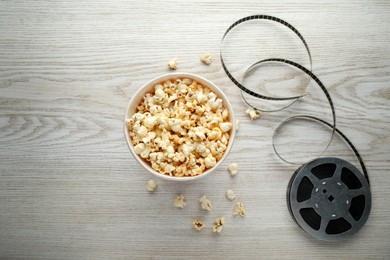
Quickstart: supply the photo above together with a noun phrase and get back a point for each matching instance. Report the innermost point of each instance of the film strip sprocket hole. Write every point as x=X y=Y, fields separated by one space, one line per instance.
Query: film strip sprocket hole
x=328 y=197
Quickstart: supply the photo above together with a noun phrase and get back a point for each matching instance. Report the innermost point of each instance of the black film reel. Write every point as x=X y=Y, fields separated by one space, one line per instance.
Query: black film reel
x=329 y=198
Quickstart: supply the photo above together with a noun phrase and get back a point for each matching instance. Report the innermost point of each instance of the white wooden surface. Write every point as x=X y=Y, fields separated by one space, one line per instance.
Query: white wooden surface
x=70 y=189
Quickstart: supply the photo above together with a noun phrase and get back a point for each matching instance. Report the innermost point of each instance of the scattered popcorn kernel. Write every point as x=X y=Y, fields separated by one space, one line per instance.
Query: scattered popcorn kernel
x=172 y=64
x=219 y=222
x=198 y=224
x=233 y=168
x=237 y=124
x=206 y=58
x=205 y=203
x=253 y=114
x=230 y=194
x=151 y=186
x=179 y=201
x=239 y=209
x=217 y=229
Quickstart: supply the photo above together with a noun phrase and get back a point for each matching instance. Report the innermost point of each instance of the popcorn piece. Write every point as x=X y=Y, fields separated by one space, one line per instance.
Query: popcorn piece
x=215 y=134
x=142 y=131
x=139 y=148
x=210 y=161
x=172 y=64
x=230 y=195
x=200 y=97
x=145 y=152
x=187 y=149
x=205 y=203
x=217 y=228
x=253 y=114
x=159 y=95
x=198 y=224
x=215 y=103
x=149 y=137
x=175 y=125
x=179 y=201
x=225 y=114
x=224 y=140
x=225 y=126
x=151 y=186
x=206 y=58
x=237 y=124
x=169 y=168
x=233 y=168
x=239 y=209
x=219 y=222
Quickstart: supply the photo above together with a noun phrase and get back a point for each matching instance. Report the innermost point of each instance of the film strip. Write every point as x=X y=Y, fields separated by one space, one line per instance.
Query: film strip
x=235 y=81
x=327 y=197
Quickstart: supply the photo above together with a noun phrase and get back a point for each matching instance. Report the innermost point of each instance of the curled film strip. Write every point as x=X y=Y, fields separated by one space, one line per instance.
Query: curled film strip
x=328 y=197
x=238 y=83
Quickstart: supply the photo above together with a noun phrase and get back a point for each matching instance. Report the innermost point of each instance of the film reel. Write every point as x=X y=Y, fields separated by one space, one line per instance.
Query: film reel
x=329 y=198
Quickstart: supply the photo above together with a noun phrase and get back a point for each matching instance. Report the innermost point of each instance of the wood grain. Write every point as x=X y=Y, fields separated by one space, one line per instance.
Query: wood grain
x=69 y=187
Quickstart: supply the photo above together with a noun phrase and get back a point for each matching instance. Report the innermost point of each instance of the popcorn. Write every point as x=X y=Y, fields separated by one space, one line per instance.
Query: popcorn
x=182 y=89
x=224 y=139
x=168 y=168
x=149 y=136
x=179 y=201
x=187 y=149
x=175 y=125
x=205 y=203
x=253 y=114
x=237 y=124
x=210 y=161
x=151 y=186
x=172 y=64
x=159 y=95
x=233 y=168
x=219 y=222
x=200 y=132
x=215 y=103
x=215 y=134
x=181 y=128
x=230 y=195
x=170 y=151
x=206 y=58
x=139 y=148
x=225 y=114
x=145 y=152
x=225 y=126
x=142 y=131
x=197 y=224
x=239 y=209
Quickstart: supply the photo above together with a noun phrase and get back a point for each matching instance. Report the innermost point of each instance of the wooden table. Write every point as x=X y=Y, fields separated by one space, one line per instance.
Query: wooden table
x=69 y=187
